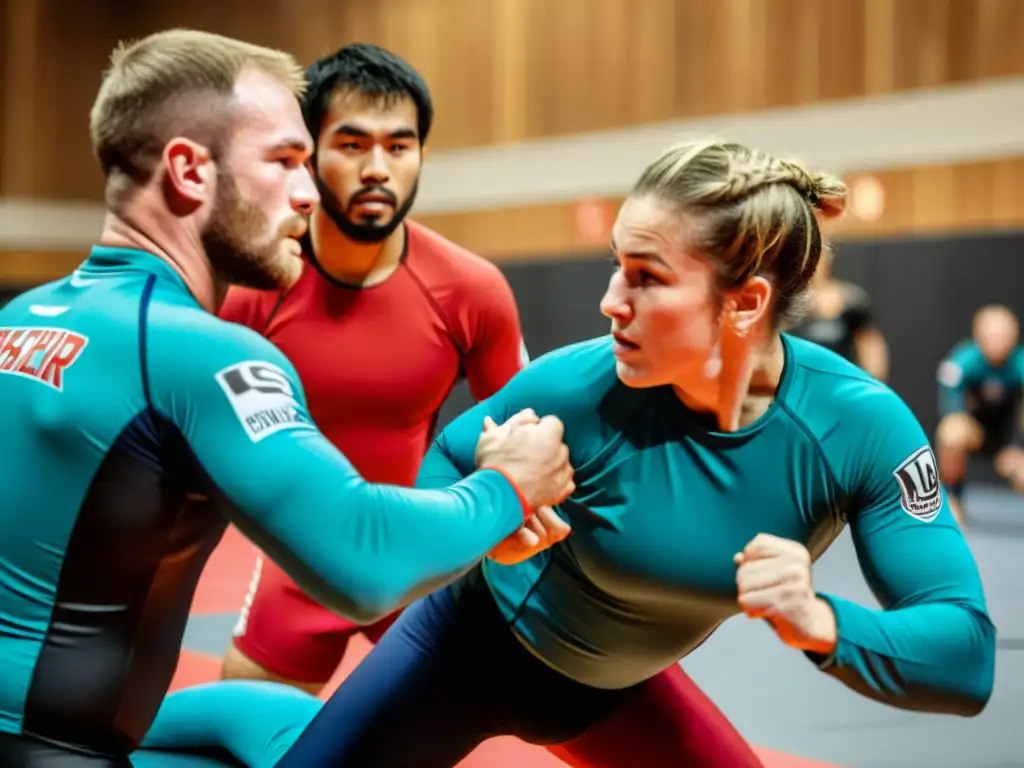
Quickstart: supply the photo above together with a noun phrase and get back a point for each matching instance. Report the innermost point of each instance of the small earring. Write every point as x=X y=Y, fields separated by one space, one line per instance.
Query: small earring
x=740 y=327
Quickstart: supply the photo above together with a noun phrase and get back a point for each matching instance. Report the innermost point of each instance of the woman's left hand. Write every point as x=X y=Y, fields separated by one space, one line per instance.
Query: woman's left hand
x=773 y=581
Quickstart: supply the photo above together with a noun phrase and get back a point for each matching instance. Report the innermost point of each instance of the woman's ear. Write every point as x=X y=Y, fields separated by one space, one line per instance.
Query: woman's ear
x=748 y=305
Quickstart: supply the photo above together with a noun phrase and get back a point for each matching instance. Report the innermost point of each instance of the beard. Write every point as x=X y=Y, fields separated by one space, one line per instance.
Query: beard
x=238 y=248
x=368 y=231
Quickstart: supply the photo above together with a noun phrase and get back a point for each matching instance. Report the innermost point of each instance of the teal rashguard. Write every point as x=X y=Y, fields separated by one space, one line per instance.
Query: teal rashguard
x=136 y=426
x=662 y=504
x=991 y=394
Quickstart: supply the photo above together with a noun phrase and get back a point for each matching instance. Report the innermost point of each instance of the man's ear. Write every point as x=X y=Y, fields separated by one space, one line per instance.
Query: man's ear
x=189 y=173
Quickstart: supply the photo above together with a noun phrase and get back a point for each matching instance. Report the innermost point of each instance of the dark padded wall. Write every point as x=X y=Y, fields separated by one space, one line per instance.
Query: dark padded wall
x=923 y=292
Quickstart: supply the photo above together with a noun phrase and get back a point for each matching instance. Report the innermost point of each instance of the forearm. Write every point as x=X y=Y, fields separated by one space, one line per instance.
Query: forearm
x=935 y=657
x=366 y=550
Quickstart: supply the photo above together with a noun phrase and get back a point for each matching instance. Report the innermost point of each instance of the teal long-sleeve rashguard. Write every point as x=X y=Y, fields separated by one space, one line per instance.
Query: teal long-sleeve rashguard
x=664 y=501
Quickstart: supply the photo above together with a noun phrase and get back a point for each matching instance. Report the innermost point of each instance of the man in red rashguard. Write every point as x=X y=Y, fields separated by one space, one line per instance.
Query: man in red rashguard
x=386 y=317
x=384 y=321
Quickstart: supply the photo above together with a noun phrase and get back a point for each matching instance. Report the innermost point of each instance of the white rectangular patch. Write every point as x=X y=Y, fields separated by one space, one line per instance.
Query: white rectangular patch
x=263 y=399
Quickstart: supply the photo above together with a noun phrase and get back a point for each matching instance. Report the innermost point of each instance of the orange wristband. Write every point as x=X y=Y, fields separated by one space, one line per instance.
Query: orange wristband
x=527 y=510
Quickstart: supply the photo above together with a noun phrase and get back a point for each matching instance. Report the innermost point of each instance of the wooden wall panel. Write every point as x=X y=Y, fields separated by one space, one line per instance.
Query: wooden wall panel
x=944 y=199
x=924 y=200
x=22 y=268
x=53 y=62
x=513 y=70
x=597 y=64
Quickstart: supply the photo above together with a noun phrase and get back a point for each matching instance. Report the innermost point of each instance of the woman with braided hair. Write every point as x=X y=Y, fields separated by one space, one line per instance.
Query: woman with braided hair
x=716 y=458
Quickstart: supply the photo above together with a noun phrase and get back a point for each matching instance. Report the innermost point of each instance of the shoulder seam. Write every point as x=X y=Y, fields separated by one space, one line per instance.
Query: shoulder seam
x=446 y=321
x=864 y=378
x=809 y=434
x=265 y=325
x=143 y=341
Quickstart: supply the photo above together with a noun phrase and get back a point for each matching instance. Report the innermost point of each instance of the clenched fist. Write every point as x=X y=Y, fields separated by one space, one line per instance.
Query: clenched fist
x=773 y=581
x=543 y=529
x=531 y=452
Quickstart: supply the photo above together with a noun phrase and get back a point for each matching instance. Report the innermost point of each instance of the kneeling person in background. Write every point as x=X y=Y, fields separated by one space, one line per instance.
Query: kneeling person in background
x=980 y=384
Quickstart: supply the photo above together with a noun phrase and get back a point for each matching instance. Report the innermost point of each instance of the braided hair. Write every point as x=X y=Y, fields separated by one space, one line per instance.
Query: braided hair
x=755 y=214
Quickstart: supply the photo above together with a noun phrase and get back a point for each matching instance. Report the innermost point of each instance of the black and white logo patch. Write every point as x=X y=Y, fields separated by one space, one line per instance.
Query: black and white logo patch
x=918 y=476
x=263 y=399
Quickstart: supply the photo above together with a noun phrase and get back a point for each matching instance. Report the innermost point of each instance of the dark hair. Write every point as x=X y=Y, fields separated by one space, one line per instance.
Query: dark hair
x=372 y=71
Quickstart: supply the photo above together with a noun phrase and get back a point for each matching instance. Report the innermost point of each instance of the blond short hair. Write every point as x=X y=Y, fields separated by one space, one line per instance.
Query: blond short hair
x=172 y=83
x=756 y=213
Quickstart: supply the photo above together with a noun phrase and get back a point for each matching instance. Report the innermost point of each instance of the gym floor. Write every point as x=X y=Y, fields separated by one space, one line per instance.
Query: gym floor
x=797 y=717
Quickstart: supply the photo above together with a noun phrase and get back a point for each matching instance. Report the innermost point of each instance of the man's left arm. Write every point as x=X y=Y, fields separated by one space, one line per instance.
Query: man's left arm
x=932 y=646
x=495 y=348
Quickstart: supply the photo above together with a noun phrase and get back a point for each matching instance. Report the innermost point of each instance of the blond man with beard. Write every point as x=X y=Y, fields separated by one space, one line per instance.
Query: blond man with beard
x=138 y=424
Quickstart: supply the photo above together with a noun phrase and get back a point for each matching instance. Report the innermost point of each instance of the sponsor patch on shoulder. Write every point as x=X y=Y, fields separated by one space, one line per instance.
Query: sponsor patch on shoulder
x=263 y=399
x=920 y=490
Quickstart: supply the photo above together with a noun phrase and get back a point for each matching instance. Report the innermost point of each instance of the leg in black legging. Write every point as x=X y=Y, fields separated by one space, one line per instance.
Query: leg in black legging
x=448 y=675
x=410 y=703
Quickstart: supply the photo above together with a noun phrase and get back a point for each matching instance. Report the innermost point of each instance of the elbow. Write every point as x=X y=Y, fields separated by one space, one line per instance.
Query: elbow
x=360 y=594
x=966 y=703
x=369 y=613
x=984 y=667
x=373 y=601
x=977 y=670
x=360 y=597
x=356 y=606
x=973 y=707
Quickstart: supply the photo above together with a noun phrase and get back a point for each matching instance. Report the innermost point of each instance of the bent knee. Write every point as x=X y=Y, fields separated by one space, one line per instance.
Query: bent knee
x=236 y=665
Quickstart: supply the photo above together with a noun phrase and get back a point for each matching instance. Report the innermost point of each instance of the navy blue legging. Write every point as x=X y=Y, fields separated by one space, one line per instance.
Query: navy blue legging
x=447 y=676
